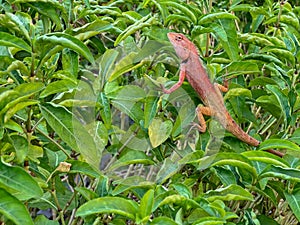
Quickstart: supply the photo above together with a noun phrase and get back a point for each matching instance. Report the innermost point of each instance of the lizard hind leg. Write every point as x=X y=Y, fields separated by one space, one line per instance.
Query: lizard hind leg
x=202 y=110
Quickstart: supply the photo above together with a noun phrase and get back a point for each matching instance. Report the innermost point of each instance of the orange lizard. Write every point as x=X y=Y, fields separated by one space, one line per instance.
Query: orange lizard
x=191 y=68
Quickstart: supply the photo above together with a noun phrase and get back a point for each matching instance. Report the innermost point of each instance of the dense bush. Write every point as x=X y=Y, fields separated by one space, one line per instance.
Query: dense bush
x=88 y=137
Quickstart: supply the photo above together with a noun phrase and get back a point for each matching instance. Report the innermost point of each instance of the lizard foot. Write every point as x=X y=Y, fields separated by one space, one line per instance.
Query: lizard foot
x=197 y=126
x=164 y=90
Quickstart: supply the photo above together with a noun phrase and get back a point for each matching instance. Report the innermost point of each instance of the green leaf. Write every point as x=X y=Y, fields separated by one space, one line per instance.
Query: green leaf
x=132 y=15
x=18 y=182
x=83 y=168
x=102 y=10
x=237 y=68
x=35 y=152
x=49 y=9
x=151 y=108
x=127 y=99
x=283 y=102
x=291 y=20
x=146 y=206
x=13 y=209
x=125 y=65
x=210 y=220
x=163 y=221
x=268 y=102
x=262 y=81
x=145 y=21
x=282 y=173
x=20 y=145
x=70 y=63
x=135 y=59
x=293 y=200
x=226 y=176
x=265 y=58
x=132 y=157
x=13 y=41
x=91 y=29
x=181 y=8
x=265 y=157
x=278 y=143
x=10 y=98
x=149 y=49
x=226 y=33
x=236 y=92
x=168 y=169
x=16 y=65
x=10 y=124
x=257 y=18
x=159 y=131
x=241 y=7
x=130 y=108
x=106 y=65
x=182 y=189
x=77 y=103
x=128 y=93
x=99 y=133
x=71 y=131
x=226 y=158
x=116 y=205
x=296 y=136
x=14 y=109
x=105 y=111
x=266 y=220
x=212 y=17
x=42 y=220
x=18 y=21
x=27 y=89
x=58 y=87
x=66 y=41
x=131 y=183
x=256 y=39
x=283 y=54
x=103 y=186
x=179 y=200
x=87 y=193
x=173 y=18
x=191 y=157
x=229 y=193
x=185 y=117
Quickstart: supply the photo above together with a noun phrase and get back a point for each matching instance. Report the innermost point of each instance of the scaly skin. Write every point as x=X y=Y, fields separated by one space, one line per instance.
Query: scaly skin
x=191 y=68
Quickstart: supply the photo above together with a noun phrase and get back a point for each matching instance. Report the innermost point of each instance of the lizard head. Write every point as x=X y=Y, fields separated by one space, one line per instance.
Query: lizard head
x=182 y=45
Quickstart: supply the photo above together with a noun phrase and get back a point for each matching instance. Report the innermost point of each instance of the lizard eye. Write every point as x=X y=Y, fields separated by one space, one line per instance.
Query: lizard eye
x=178 y=38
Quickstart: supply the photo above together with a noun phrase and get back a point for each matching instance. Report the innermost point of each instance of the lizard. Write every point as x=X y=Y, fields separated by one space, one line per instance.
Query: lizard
x=210 y=94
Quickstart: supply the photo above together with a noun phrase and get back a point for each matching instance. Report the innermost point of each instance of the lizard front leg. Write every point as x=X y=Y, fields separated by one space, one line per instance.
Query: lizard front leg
x=180 y=81
x=202 y=110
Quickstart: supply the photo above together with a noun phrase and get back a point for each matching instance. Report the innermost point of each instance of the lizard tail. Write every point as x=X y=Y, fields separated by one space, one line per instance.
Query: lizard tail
x=243 y=136
x=237 y=131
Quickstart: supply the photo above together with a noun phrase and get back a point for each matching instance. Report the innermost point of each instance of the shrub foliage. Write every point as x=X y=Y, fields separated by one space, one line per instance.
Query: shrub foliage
x=88 y=136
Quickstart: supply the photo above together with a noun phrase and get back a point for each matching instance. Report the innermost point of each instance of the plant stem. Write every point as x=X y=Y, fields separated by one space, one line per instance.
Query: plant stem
x=54 y=142
x=113 y=159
